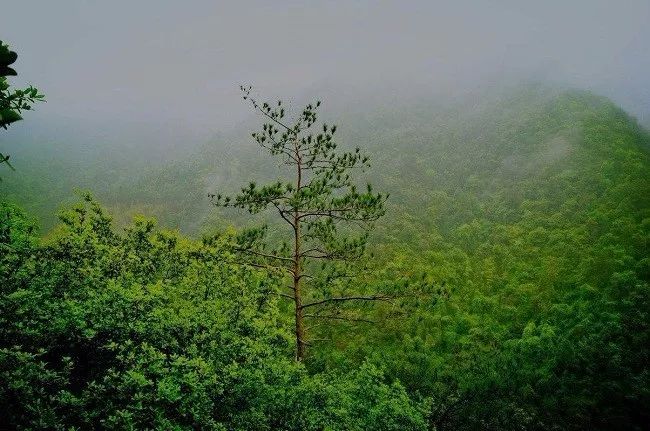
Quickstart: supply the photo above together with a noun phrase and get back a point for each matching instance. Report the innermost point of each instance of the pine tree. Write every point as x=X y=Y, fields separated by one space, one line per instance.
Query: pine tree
x=329 y=218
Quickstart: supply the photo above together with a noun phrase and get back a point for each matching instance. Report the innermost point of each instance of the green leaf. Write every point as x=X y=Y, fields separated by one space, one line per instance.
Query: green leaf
x=8 y=116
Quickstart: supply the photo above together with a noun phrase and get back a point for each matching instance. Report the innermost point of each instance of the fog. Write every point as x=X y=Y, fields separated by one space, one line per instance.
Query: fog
x=136 y=70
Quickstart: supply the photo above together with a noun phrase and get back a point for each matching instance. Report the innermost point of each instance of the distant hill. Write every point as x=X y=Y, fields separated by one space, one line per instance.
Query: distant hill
x=452 y=158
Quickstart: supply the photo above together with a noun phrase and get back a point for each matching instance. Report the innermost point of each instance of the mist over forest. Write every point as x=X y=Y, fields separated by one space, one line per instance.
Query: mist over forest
x=324 y=216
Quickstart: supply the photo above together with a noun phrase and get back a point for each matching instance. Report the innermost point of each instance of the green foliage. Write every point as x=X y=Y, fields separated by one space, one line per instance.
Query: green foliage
x=150 y=330
x=13 y=102
x=526 y=218
x=542 y=248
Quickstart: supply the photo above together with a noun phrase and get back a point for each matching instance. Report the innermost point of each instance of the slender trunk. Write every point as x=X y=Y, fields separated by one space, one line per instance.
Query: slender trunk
x=297 y=271
x=297 y=294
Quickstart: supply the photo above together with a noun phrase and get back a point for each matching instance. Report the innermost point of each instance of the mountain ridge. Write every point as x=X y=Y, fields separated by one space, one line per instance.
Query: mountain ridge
x=424 y=141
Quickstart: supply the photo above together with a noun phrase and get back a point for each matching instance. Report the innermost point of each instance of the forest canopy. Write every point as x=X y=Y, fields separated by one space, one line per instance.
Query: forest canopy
x=523 y=226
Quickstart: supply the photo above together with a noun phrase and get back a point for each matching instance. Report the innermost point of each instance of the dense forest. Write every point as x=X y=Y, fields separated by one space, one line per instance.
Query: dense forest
x=508 y=270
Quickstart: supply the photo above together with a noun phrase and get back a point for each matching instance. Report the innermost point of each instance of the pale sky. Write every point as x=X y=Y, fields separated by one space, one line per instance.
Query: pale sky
x=181 y=62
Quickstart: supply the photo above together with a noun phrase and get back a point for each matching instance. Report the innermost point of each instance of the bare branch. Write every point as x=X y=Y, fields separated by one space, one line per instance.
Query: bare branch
x=268 y=256
x=347 y=319
x=263 y=266
x=348 y=298
x=282 y=213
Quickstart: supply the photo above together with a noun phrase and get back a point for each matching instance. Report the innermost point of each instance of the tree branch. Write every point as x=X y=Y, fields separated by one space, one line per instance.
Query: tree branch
x=282 y=213
x=348 y=298
x=269 y=256
x=347 y=319
x=275 y=120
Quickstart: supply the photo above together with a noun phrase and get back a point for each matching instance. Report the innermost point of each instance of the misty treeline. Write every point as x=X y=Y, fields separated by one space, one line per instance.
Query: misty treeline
x=504 y=286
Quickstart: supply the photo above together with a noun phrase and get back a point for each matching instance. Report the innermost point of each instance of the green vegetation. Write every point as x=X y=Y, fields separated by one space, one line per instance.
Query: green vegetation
x=150 y=330
x=12 y=102
x=318 y=204
x=524 y=219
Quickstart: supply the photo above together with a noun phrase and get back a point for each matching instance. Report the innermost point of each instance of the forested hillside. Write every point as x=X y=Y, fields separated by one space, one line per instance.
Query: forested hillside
x=538 y=230
x=514 y=245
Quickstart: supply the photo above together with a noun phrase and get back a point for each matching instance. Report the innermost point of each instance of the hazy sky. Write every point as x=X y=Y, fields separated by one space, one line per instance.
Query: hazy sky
x=167 y=62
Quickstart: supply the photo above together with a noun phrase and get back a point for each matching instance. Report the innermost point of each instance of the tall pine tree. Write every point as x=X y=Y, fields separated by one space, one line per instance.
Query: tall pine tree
x=328 y=216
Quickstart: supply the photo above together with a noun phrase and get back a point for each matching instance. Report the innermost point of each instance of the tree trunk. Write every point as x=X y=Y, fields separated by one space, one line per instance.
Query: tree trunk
x=300 y=328
x=297 y=271
x=297 y=294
